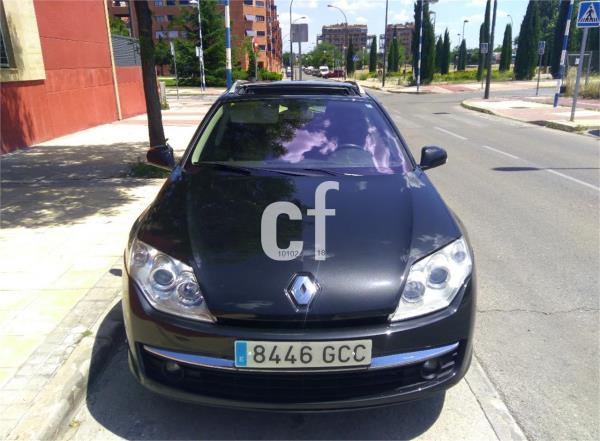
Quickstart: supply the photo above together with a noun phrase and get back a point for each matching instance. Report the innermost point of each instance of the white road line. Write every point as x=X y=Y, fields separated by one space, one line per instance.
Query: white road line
x=554 y=172
x=466 y=120
x=450 y=133
x=500 y=151
x=549 y=170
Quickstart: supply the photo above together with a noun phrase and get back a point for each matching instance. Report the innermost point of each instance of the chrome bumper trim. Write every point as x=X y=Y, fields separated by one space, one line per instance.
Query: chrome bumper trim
x=384 y=362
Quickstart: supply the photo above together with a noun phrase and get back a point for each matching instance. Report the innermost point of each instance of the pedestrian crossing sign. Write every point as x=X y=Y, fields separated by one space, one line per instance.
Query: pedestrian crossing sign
x=589 y=15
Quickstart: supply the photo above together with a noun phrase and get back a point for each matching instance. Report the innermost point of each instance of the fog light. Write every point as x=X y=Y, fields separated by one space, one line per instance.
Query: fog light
x=430 y=369
x=173 y=371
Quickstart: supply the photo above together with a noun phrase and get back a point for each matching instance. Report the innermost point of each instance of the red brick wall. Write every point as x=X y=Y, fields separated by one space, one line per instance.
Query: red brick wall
x=131 y=90
x=78 y=91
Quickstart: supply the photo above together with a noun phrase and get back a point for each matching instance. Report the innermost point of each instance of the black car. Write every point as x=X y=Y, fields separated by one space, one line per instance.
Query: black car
x=298 y=258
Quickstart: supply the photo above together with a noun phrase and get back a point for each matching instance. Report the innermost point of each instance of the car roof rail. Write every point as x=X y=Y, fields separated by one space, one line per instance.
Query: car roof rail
x=236 y=86
x=296 y=88
x=357 y=86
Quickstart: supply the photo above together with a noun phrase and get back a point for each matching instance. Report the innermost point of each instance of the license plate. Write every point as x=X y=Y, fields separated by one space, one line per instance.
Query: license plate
x=298 y=355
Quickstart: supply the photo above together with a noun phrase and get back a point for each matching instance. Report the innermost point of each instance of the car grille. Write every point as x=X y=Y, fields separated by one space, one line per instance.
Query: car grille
x=292 y=387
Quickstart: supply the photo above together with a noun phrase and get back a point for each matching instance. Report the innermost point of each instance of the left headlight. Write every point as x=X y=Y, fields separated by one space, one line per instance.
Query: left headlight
x=434 y=281
x=168 y=284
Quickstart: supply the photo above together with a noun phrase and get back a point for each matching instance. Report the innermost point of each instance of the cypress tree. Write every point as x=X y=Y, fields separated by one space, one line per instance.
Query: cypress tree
x=462 y=56
x=428 y=49
x=484 y=36
x=446 y=53
x=559 y=32
x=506 y=52
x=350 y=58
x=526 y=59
x=439 y=48
x=373 y=55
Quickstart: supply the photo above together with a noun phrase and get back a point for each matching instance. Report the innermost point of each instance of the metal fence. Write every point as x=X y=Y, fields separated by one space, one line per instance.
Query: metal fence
x=126 y=51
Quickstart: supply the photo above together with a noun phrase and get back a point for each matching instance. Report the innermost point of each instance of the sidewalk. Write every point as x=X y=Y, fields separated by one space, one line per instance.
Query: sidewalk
x=540 y=111
x=496 y=86
x=67 y=207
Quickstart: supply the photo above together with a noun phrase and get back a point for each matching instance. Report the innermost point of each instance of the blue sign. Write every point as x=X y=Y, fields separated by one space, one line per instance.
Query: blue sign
x=589 y=15
x=355 y=58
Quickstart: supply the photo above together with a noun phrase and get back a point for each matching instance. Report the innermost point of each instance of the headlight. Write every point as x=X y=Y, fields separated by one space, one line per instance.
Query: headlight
x=168 y=284
x=434 y=281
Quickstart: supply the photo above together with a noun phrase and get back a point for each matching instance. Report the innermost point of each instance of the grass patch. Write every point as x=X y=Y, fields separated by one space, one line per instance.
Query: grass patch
x=141 y=169
x=591 y=91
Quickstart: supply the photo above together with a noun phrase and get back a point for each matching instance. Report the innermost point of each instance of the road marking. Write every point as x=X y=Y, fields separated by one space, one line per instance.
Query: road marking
x=554 y=172
x=500 y=151
x=450 y=133
x=403 y=121
x=466 y=120
x=539 y=167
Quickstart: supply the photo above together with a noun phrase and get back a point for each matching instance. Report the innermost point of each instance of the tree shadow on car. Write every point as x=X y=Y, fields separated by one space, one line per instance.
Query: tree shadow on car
x=118 y=403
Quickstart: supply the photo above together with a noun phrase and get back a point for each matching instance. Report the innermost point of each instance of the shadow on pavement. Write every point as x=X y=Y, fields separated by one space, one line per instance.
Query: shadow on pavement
x=61 y=185
x=119 y=404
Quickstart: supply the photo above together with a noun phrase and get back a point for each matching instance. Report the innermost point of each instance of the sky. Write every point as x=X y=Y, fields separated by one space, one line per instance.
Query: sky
x=449 y=14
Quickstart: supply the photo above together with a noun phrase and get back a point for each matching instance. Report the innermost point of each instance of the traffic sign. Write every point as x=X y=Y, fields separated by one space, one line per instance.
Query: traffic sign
x=483 y=48
x=541 y=47
x=299 y=32
x=355 y=58
x=589 y=14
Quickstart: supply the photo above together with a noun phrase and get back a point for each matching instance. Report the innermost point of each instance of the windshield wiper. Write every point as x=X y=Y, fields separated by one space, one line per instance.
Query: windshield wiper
x=248 y=170
x=329 y=172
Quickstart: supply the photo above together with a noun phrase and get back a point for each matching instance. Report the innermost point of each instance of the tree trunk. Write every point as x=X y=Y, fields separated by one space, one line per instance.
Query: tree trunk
x=155 y=126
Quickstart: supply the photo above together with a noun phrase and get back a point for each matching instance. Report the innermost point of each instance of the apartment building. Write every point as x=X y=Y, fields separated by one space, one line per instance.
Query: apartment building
x=336 y=35
x=257 y=20
x=254 y=19
x=404 y=34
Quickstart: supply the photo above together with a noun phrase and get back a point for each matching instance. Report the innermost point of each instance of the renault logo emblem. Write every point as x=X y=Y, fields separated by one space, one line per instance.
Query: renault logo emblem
x=302 y=288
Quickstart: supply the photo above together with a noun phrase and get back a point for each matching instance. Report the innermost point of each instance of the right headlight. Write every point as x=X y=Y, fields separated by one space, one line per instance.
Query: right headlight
x=434 y=281
x=167 y=283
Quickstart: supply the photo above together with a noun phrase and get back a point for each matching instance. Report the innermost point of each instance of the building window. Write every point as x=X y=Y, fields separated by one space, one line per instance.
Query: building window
x=159 y=2
x=184 y=2
x=4 y=47
x=160 y=18
x=170 y=2
x=171 y=17
x=248 y=2
x=173 y=34
x=250 y=33
x=261 y=47
x=249 y=17
x=260 y=4
x=260 y=18
x=260 y=33
x=161 y=34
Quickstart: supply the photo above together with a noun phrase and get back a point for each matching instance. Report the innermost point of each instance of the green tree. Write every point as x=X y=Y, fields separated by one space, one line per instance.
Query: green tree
x=251 y=60
x=350 y=58
x=373 y=55
x=484 y=37
x=506 y=51
x=117 y=27
x=213 y=40
x=162 y=54
x=462 y=56
x=439 y=48
x=323 y=54
x=445 y=67
x=428 y=48
x=394 y=54
x=526 y=59
x=548 y=16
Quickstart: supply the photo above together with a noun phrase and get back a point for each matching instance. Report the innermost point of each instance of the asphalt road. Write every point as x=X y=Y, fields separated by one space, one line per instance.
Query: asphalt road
x=529 y=197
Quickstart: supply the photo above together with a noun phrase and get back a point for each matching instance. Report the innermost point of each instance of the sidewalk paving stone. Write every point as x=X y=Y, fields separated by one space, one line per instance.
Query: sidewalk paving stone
x=67 y=207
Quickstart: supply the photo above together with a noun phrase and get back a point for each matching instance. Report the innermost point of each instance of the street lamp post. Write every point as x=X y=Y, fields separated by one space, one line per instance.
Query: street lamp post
x=299 y=51
x=511 y=20
x=345 y=39
x=228 y=73
x=200 y=47
x=291 y=46
x=463 y=32
x=490 y=54
x=384 y=44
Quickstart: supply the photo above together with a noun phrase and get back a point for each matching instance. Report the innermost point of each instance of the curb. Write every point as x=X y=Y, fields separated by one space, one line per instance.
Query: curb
x=62 y=396
x=550 y=124
x=499 y=417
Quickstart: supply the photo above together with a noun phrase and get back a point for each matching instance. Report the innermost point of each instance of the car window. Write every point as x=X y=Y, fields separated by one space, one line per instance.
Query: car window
x=302 y=132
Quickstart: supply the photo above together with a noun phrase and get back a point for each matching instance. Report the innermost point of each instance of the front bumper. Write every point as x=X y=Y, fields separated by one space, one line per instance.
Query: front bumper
x=205 y=354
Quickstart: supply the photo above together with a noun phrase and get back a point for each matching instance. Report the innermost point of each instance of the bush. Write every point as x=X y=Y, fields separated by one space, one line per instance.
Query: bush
x=266 y=75
x=591 y=91
x=471 y=75
x=363 y=76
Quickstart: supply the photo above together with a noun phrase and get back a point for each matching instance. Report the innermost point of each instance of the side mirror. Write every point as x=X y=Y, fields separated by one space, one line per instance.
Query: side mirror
x=161 y=156
x=432 y=156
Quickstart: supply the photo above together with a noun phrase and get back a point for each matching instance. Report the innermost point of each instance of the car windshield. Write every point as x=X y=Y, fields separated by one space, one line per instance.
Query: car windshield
x=302 y=133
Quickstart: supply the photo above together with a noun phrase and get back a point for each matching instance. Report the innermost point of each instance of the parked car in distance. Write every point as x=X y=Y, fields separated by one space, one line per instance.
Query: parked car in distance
x=298 y=258
x=335 y=73
x=323 y=71
x=308 y=70
x=288 y=72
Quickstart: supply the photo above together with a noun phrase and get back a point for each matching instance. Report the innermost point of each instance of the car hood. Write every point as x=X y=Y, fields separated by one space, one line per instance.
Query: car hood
x=382 y=224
